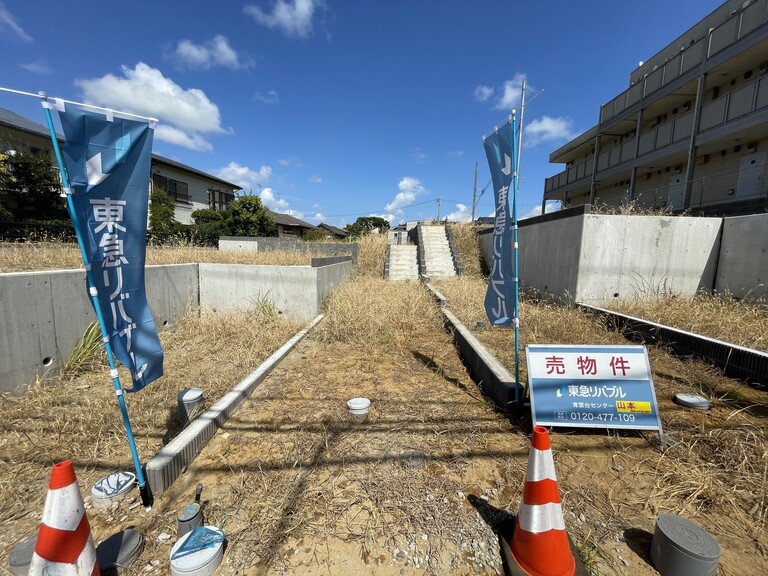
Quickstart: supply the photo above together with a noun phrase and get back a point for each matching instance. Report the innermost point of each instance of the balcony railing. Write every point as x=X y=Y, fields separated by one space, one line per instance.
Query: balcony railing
x=736 y=104
x=732 y=30
x=742 y=102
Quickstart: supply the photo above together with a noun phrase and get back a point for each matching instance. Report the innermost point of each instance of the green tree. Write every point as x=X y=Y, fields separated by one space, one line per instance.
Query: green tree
x=210 y=224
x=318 y=235
x=30 y=188
x=250 y=218
x=366 y=224
x=162 y=226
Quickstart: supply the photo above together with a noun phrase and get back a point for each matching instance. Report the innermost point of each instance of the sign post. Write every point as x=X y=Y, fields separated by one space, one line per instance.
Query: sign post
x=592 y=387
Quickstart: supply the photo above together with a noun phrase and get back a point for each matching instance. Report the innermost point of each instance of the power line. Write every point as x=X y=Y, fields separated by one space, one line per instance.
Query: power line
x=382 y=210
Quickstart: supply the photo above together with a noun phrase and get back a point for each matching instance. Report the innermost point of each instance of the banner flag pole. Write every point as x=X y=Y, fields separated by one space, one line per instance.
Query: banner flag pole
x=518 y=142
x=515 y=270
x=501 y=298
x=93 y=292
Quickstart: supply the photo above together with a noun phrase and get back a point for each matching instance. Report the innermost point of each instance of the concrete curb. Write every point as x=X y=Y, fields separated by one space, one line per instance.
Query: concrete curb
x=491 y=376
x=735 y=361
x=168 y=464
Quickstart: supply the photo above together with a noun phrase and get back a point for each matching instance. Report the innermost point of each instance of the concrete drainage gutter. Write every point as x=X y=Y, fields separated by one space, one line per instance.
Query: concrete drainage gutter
x=736 y=361
x=169 y=463
x=491 y=376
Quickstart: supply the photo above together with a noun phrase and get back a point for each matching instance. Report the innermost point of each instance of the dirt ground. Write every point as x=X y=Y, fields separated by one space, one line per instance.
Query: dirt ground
x=421 y=486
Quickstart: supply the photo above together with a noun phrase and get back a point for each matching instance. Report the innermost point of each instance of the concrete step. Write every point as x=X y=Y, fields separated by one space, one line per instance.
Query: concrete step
x=403 y=262
x=404 y=269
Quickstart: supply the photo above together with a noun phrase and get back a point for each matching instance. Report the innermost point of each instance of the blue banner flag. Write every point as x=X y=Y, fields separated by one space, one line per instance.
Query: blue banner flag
x=500 y=298
x=107 y=159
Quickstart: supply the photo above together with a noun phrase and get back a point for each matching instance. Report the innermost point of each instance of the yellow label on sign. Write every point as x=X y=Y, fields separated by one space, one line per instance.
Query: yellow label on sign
x=629 y=406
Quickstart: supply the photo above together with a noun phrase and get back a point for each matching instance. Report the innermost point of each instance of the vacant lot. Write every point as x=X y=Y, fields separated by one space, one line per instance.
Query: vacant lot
x=299 y=488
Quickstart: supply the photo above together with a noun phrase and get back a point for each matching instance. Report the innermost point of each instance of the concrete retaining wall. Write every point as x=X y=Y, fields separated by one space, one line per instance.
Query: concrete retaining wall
x=294 y=290
x=271 y=244
x=743 y=264
x=590 y=258
x=45 y=313
x=626 y=257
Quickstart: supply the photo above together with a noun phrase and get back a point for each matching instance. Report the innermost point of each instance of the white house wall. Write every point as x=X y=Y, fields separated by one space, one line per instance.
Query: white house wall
x=197 y=190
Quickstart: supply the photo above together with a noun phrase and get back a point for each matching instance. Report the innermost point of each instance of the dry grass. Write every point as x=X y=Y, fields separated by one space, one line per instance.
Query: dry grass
x=371 y=256
x=736 y=321
x=212 y=352
x=719 y=316
x=376 y=312
x=541 y=322
x=468 y=247
x=311 y=481
x=16 y=257
x=633 y=208
x=296 y=485
x=715 y=469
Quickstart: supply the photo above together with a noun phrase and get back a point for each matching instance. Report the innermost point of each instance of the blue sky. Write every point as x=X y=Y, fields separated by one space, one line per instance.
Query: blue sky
x=334 y=109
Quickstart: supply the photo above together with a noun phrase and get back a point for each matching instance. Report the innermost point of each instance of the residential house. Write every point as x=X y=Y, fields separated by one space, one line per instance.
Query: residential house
x=690 y=132
x=289 y=226
x=191 y=188
x=332 y=232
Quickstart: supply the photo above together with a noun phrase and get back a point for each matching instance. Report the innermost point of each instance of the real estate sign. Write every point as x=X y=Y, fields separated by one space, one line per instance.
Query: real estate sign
x=592 y=387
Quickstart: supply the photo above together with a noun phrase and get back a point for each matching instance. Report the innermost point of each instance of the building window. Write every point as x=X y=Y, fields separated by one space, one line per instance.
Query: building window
x=179 y=191
x=219 y=200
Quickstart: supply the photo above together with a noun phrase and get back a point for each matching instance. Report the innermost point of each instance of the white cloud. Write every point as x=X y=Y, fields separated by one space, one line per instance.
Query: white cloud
x=547 y=129
x=461 y=214
x=456 y=154
x=187 y=116
x=511 y=93
x=293 y=18
x=409 y=189
x=317 y=218
x=178 y=137
x=271 y=97
x=8 y=20
x=37 y=67
x=271 y=201
x=214 y=52
x=315 y=179
x=243 y=176
x=483 y=93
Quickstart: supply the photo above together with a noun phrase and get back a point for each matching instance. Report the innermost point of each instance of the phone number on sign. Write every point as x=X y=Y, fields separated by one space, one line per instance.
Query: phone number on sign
x=602 y=417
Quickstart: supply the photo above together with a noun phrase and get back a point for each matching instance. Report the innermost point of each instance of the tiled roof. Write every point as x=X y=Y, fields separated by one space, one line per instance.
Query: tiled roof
x=287 y=220
x=20 y=123
x=333 y=230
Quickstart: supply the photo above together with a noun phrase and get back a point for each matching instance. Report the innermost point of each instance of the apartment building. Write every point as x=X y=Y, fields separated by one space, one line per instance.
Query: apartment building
x=690 y=133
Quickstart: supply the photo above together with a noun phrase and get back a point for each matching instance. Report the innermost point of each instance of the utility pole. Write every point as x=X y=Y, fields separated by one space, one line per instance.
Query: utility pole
x=474 y=195
x=438 y=209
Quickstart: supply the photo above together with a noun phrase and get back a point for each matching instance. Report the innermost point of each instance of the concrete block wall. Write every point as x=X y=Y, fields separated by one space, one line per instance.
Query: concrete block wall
x=45 y=313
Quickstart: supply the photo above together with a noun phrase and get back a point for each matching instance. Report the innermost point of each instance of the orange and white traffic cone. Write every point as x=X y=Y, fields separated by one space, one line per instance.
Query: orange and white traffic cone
x=64 y=545
x=539 y=543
